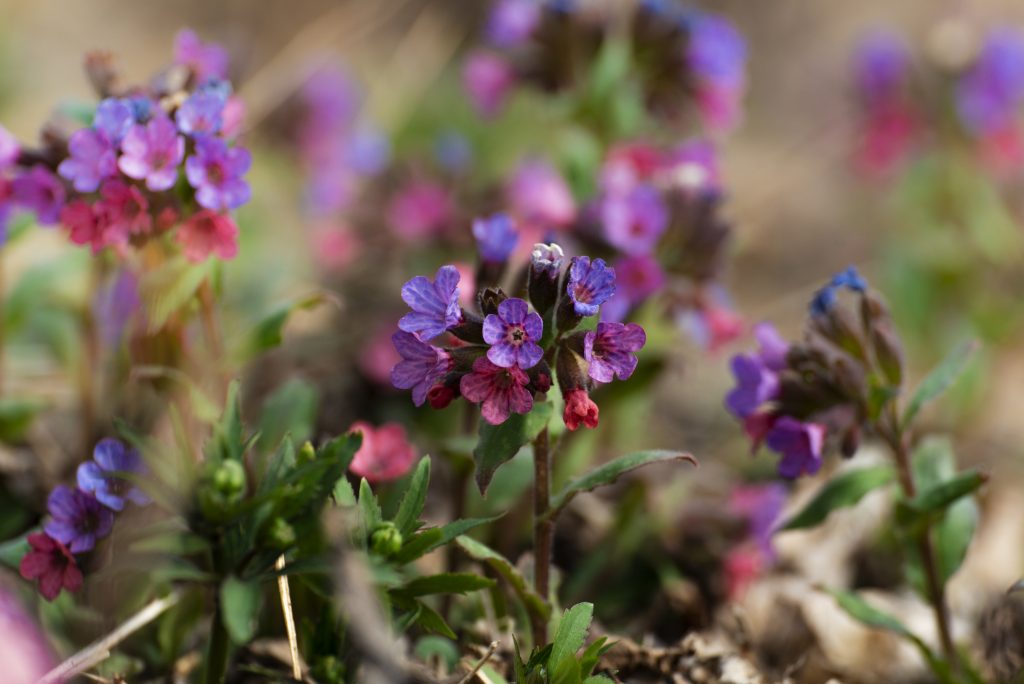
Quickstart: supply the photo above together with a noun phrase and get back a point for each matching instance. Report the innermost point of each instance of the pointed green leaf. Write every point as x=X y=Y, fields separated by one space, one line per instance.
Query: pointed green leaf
x=940 y=496
x=499 y=443
x=167 y=289
x=572 y=630
x=939 y=380
x=611 y=471
x=446 y=583
x=240 y=608
x=426 y=541
x=534 y=604
x=369 y=508
x=841 y=491
x=269 y=332
x=408 y=516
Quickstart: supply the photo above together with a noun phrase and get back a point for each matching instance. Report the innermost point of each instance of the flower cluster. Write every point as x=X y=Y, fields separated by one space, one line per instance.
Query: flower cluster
x=689 y=58
x=986 y=93
x=501 y=355
x=82 y=515
x=791 y=397
x=152 y=159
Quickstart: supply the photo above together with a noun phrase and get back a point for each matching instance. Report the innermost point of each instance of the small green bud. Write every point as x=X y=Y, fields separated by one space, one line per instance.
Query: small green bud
x=307 y=454
x=386 y=540
x=329 y=670
x=279 y=534
x=229 y=478
x=221 y=488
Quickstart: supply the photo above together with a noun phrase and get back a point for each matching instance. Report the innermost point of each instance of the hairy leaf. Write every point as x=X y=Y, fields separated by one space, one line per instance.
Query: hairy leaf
x=499 y=443
x=611 y=471
x=408 y=516
x=534 y=604
x=841 y=492
x=939 y=380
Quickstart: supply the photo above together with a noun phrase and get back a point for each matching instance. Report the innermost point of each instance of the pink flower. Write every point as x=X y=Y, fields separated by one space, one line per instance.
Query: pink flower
x=743 y=565
x=78 y=217
x=890 y=133
x=467 y=278
x=500 y=391
x=153 y=152
x=538 y=194
x=124 y=211
x=208 y=233
x=385 y=454
x=52 y=564
x=23 y=648
x=207 y=60
x=487 y=79
x=233 y=118
x=9 y=149
x=580 y=409
x=334 y=247
x=420 y=210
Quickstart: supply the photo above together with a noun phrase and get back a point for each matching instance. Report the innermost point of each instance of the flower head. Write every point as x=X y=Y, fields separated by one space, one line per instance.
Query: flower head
x=761 y=505
x=40 y=191
x=78 y=519
x=113 y=119
x=91 y=159
x=610 y=350
x=487 y=79
x=52 y=564
x=202 y=113
x=435 y=305
x=882 y=63
x=496 y=237
x=122 y=211
x=693 y=167
x=101 y=476
x=422 y=365
x=590 y=284
x=636 y=278
x=512 y=21
x=206 y=60
x=216 y=171
x=85 y=229
x=513 y=333
x=152 y=152
x=800 y=445
x=989 y=94
x=757 y=380
x=634 y=223
x=206 y=233
x=538 y=194
x=716 y=54
x=385 y=453
x=580 y=409
x=500 y=391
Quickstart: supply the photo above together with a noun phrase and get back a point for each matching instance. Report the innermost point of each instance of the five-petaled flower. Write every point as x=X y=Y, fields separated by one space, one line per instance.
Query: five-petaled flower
x=800 y=445
x=101 y=476
x=77 y=519
x=513 y=334
x=422 y=365
x=52 y=564
x=216 y=171
x=206 y=233
x=590 y=284
x=610 y=350
x=152 y=152
x=500 y=391
x=435 y=305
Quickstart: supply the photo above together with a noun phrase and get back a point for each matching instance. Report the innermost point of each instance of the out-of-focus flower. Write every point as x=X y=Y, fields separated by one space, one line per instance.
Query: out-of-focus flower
x=121 y=212
x=590 y=284
x=538 y=194
x=40 y=191
x=713 y=323
x=453 y=151
x=102 y=475
x=385 y=454
x=628 y=164
x=52 y=564
x=113 y=119
x=800 y=445
x=10 y=148
x=80 y=220
x=743 y=565
x=420 y=210
x=77 y=519
x=890 y=123
x=152 y=152
x=216 y=172
x=202 y=113
x=580 y=409
x=23 y=648
x=636 y=279
x=990 y=93
x=499 y=391
x=610 y=350
x=206 y=60
x=511 y=22
x=693 y=168
x=421 y=366
x=634 y=223
x=379 y=356
x=825 y=298
x=487 y=78
x=716 y=56
x=496 y=237
x=334 y=246
x=513 y=334
x=91 y=159
x=115 y=305
x=435 y=305
x=761 y=505
x=206 y=233
x=882 y=64
x=756 y=385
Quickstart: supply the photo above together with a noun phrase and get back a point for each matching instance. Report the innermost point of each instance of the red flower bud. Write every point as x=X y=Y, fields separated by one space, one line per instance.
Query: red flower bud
x=439 y=396
x=579 y=408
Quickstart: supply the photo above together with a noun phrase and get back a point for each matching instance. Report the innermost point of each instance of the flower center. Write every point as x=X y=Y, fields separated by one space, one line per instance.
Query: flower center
x=215 y=174
x=582 y=294
x=516 y=335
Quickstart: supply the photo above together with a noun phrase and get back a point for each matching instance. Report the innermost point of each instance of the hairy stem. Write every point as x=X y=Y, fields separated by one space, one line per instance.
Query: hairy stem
x=543 y=529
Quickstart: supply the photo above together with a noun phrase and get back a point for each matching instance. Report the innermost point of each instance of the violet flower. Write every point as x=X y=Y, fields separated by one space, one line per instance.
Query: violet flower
x=636 y=279
x=496 y=237
x=422 y=365
x=101 y=475
x=202 y=113
x=989 y=94
x=206 y=60
x=152 y=152
x=216 y=171
x=511 y=22
x=78 y=519
x=590 y=284
x=39 y=191
x=113 y=119
x=500 y=391
x=487 y=78
x=91 y=159
x=435 y=305
x=513 y=333
x=825 y=298
x=635 y=222
x=715 y=55
x=610 y=350
x=757 y=380
x=799 y=444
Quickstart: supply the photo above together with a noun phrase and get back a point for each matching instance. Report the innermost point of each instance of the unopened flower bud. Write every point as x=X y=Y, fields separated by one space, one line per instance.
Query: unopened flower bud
x=838 y=326
x=571 y=369
x=440 y=396
x=307 y=454
x=489 y=299
x=221 y=489
x=850 y=442
x=229 y=478
x=888 y=353
x=279 y=534
x=542 y=282
x=580 y=409
x=386 y=540
x=540 y=377
x=470 y=329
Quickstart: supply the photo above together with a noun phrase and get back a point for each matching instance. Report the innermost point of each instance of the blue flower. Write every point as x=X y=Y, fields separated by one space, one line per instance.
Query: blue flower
x=590 y=285
x=514 y=332
x=101 y=475
x=78 y=519
x=435 y=305
x=496 y=237
x=825 y=298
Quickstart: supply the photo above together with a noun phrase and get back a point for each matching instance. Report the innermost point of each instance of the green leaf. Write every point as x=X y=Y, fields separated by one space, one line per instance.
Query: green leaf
x=268 y=333
x=432 y=645
x=426 y=541
x=240 y=608
x=611 y=471
x=840 y=492
x=16 y=416
x=590 y=657
x=343 y=493
x=572 y=630
x=408 y=516
x=938 y=381
x=167 y=289
x=446 y=583
x=940 y=496
x=499 y=443
x=13 y=550
x=534 y=604
x=425 y=616
x=369 y=507
x=289 y=410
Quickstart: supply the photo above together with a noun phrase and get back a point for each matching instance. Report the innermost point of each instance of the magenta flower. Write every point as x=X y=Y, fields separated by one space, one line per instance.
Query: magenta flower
x=635 y=222
x=435 y=305
x=538 y=194
x=216 y=171
x=800 y=445
x=762 y=506
x=91 y=159
x=487 y=78
x=636 y=279
x=52 y=564
x=496 y=237
x=590 y=284
x=512 y=21
x=152 y=152
x=693 y=167
x=40 y=191
x=206 y=60
x=716 y=56
x=23 y=647
x=206 y=233
x=420 y=210
x=101 y=476
x=9 y=149
x=77 y=519
x=513 y=333
x=385 y=454
x=610 y=350
x=122 y=211
x=580 y=409
x=85 y=229
x=422 y=365
x=500 y=391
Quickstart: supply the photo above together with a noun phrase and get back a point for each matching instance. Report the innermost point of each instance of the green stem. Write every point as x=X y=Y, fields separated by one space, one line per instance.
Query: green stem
x=217 y=655
x=543 y=530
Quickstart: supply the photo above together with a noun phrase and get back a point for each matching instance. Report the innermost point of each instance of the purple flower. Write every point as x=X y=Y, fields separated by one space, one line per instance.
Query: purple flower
x=207 y=60
x=367 y=151
x=78 y=519
x=496 y=237
x=590 y=284
x=513 y=333
x=500 y=391
x=41 y=192
x=422 y=365
x=715 y=55
x=757 y=379
x=636 y=279
x=693 y=167
x=988 y=95
x=92 y=159
x=113 y=119
x=435 y=305
x=761 y=505
x=202 y=112
x=546 y=259
x=512 y=21
x=825 y=298
x=635 y=222
x=24 y=649
x=153 y=152
x=610 y=350
x=9 y=149
x=114 y=306
x=774 y=347
x=538 y=194
x=799 y=444
x=216 y=171
x=881 y=66
x=101 y=475
x=487 y=79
